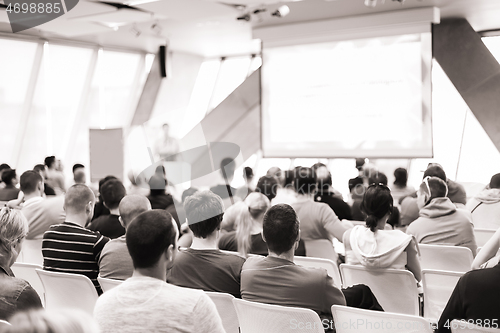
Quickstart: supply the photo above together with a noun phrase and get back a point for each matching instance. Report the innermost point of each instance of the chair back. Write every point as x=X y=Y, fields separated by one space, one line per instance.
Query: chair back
x=438 y=286
x=327 y=264
x=445 y=258
x=458 y=326
x=482 y=236
x=348 y=319
x=68 y=291
x=28 y=272
x=3 y=325
x=224 y=304
x=31 y=252
x=320 y=248
x=384 y=283
x=108 y=284
x=266 y=318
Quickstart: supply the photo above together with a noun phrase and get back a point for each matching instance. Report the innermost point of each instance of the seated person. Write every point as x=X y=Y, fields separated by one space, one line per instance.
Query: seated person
x=69 y=247
x=115 y=262
x=284 y=191
x=52 y=321
x=203 y=265
x=440 y=222
x=485 y=206
x=145 y=302
x=476 y=298
x=15 y=294
x=10 y=191
x=276 y=279
x=224 y=189
x=248 y=235
x=112 y=192
x=40 y=168
x=487 y=257
x=99 y=208
x=374 y=247
x=55 y=178
x=160 y=199
x=326 y=194
x=400 y=186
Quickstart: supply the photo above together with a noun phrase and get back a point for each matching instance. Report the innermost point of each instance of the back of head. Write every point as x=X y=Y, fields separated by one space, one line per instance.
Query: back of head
x=274 y=172
x=323 y=178
x=29 y=181
x=248 y=173
x=495 y=181
x=204 y=212
x=40 y=168
x=401 y=177
x=77 y=198
x=256 y=206
x=131 y=206
x=149 y=235
x=4 y=166
x=431 y=188
x=360 y=162
x=227 y=167
x=42 y=321
x=77 y=166
x=79 y=176
x=377 y=203
x=435 y=170
x=13 y=228
x=280 y=228
x=304 y=180
x=268 y=186
x=157 y=184
x=8 y=176
x=189 y=192
x=105 y=179
x=289 y=178
x=112 y=192
x=378 y=178
x=50 y=161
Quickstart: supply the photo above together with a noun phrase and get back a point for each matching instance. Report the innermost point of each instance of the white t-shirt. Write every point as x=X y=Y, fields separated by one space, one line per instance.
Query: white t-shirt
x=145 y=304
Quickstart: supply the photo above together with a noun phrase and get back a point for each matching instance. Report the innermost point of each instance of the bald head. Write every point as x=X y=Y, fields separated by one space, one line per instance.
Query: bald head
x=132 y=206
x=77 y=199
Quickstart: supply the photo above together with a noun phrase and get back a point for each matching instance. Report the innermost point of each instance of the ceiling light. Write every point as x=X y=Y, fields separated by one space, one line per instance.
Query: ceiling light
x=370 y=3
x=281 y=11
x=245 y=17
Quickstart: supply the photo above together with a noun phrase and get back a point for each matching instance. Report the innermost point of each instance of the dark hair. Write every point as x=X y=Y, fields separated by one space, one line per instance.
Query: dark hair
x=360 y=161
x=355 y=182
x=304 y=180
x=112 y=192
x=39 y=167
x=105 y=179
x=401 y=176
x=437 y=188
x=495 y=181
x=8 y=175
x=148 y=236
x=267 y=186
x=289 y=177
x=157 y=184
x=378 y=178
x=29 y=181
x=189 y=192
x=78 y=166
x=377 y=202
x=227 y=167
x=435 y=171
x=4 y=166
x=318 y=165
x=323 y=179
x=204 y=211
x=280 y=228
x=49 y=161
x=247 y=173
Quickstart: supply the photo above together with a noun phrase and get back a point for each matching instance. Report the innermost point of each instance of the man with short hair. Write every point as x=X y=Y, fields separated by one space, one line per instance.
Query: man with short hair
x=203 y=265
x=326 y=194
x=115 y=262
x=10 y=191
x=440 y=222
x=112 y=193
x=485 y=206
x=145 y=302
x=55 y=178
x=40 y=168
x=79 y=176
x=69 y=247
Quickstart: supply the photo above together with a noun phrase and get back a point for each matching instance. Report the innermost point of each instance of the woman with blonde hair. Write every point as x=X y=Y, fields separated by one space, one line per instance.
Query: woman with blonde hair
x=248 y=235
x=15 y=294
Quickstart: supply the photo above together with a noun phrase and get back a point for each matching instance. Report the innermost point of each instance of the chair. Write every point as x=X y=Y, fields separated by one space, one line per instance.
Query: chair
x=438 y=286
x=385 y=285
x=266 y=318
x=483 y=235
x=65 y=290
x=28 y=272
x=108 y=284
x=31 y=252
x=445 y=257
x=348 y=319
x=225 y=307
x=329 y=265
x=320 y=248
x=458 y=326
x=3 y=324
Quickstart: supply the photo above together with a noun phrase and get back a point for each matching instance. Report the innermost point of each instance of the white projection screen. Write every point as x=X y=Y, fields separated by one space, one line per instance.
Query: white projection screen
x=358 y=98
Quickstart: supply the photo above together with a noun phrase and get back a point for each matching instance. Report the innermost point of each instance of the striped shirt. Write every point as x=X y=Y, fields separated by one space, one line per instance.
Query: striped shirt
x=70 y=248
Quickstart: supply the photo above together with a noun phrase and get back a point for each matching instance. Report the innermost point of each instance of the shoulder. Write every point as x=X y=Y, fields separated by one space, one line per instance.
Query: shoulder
x=253 y=263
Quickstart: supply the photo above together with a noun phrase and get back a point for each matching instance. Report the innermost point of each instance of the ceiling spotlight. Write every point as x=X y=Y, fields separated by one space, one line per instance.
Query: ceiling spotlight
x=245 y=17
x=370 y=3
x=260 y=10
x=282 y=11
x=157 y=29
x=136 y=32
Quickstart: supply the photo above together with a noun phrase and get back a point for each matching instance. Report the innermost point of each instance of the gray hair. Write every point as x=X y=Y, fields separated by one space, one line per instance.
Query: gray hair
x=13 y=227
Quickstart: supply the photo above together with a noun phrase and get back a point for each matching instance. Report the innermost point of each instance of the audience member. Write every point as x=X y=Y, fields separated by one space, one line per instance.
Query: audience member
x=40 y=168
x=485 y=206
x=246 y=189
x=15 y=294
x=326 y=194
x=3 y=167
x=374 y=247
x=275 y=279
x=99 y=208
x=189 y=192
x=69 y=247
x=248 y=235
x=9 y=191
x=138 y=184
x=115 y=262
x=401 y=188
x=79 y=176
x=285 y=193
x=112 y=192
x=440 y=222
x=488 y=256
x=145 y=302
x=224 y=189
x=203 y=265
x=317 y=219
x=62 y=321
x=160 y=199
x=55 y=178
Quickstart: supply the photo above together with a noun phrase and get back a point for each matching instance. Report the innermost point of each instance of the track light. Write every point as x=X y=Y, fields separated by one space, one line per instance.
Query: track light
x=136 y=32
x=245 y=17
x=281 y=11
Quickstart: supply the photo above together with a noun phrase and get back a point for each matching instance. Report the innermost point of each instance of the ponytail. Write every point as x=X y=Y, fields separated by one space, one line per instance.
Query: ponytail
x=371 y=222
x=377 y=203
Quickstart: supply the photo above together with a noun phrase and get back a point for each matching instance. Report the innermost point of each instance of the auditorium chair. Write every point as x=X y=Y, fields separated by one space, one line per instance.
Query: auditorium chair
x=445 y=257
x=28 y=272
x=482 y=236
x=225 y=307
x=438 y=286
x=108 y=284
x=320 y=248
x=329 y=265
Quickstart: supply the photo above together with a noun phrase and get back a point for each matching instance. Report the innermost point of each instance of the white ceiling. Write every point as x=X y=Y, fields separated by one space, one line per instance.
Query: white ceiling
x=209 y=28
